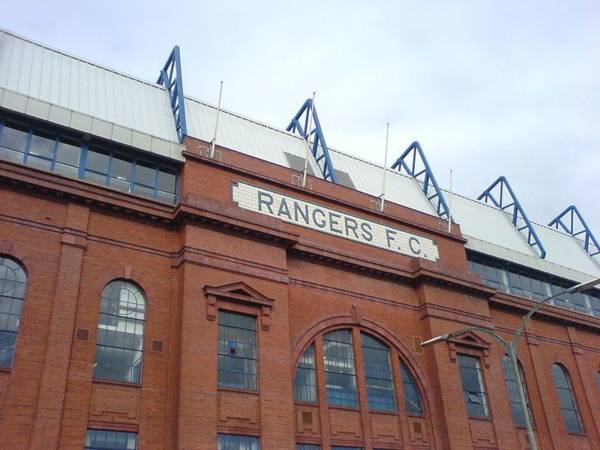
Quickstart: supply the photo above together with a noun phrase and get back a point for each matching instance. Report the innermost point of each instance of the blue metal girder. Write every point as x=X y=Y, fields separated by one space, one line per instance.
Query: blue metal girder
x=518 y=217
x=171 y=78
x=414 y=162
x=300 y=124
x=573 y=223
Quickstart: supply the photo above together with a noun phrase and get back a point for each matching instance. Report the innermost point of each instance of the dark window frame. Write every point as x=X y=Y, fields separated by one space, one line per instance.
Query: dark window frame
x=85 y=147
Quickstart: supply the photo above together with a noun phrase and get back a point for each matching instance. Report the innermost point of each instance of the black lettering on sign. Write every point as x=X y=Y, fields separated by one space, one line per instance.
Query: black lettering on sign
x=415 y=245
x=334 y=221
x=265 y=199
x=299 y=211
x=390 y=235
x=367 y=233
x=350 y=225
x=284 y=210
x=320 y=223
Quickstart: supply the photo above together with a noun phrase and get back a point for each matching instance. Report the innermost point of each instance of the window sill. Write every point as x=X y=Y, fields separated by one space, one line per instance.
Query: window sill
x=484 y=419
x=6 y=369
x=415 y=415
x=344 y=408
x=239 y=390
x=117 y=383
x=577 y=433
x=385 y=413
x=301 y=403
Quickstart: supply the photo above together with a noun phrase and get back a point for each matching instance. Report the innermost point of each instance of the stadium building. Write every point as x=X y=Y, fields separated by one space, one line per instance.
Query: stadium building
x=163 y=289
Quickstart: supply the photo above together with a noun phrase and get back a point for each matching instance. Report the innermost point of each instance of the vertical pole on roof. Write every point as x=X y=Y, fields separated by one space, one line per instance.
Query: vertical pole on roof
x=310 y=121
x=385 y=157
x=214 y=139
x=450 y=204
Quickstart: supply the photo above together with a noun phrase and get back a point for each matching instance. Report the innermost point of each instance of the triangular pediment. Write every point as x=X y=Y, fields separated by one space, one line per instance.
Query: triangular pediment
x=239 y=291
x=471 y=339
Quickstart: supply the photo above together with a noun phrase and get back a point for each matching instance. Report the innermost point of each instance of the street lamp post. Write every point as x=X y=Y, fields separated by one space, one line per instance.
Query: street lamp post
x=512 y=347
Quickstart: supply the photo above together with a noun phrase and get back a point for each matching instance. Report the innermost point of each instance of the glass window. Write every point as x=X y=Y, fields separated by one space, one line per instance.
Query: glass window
x=13 y=283
x=120 y=341
x=238 y=442
x=566 y=398
x=120 y=174
x=145 y=174
x=412 y=397
x=67 y=159
x=308 y=447
x=340 y=375
x=473 y=387
x=13 y=143
x=110 y=440
x=378 y=374
x=512 y=389
x=305 y=381
x=96 y=167
x=237 y=356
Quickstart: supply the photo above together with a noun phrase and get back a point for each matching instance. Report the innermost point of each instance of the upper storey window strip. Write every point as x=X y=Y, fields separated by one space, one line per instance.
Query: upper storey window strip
x=56 y=153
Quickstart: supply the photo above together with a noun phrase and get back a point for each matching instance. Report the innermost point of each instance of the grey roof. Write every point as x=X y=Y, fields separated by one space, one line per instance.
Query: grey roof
x=52 y=85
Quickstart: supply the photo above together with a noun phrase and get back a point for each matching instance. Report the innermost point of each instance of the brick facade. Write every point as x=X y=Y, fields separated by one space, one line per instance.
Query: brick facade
x=207 y=253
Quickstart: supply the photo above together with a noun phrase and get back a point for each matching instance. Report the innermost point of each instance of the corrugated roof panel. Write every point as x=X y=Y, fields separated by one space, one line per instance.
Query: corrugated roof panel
x=563 y=249
x=485 y=223
x=45 y=74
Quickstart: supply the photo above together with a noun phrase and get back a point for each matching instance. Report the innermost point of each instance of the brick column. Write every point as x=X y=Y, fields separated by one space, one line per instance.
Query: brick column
x=49 y=410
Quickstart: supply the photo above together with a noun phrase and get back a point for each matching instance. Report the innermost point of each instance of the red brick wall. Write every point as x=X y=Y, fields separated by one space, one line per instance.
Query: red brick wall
x=73 y=238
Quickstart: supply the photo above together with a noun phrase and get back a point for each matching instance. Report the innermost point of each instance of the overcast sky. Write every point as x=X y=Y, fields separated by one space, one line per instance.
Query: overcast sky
x=489 y=88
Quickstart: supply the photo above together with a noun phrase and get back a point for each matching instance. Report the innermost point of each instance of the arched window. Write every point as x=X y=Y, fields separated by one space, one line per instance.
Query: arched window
x=340 y=375
x=378 y=374
x=305 y=380
x=13 y=283
x=566 y=399
x=512 y=389
x=412 y=397
x=120 y=341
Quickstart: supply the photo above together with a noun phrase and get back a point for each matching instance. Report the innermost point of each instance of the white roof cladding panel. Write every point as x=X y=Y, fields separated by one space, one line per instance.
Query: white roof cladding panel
x=368 y=178
x=563 y=249
x=243 y=135
x=485 y=223
x=54 y=77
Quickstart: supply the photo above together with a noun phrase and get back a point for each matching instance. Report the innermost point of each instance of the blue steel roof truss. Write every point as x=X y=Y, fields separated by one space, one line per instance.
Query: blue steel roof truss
x=571 y=221
x=502 y=196
x=300 y=124
x=415 y=163
x=171 y=78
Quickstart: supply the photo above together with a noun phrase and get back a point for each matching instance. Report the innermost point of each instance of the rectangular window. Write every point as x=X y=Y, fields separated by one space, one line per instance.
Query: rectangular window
x=340 y=447
x=67 y=157
x=308 y=447
x=473 y=387
x=340 y=375
x=238 y=442
x=110 y=440
x=237 y=355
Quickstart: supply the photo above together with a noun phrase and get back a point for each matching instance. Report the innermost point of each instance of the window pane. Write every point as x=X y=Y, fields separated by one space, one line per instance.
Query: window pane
x=12 y=144
x=42 y=146
x=308 y=447
x=412 y=397
x=237 y=357
x=95 y=177
x=12 y=293
x=120 y=340
x=145 y=174
x=305 y=381
x=143 y=190
x=340 y=376
x=237 y=442
x=378 y=374
x=473 y=388
x=68 y=154
x=39 y=163
x=14 y=139
x=110 y=440
x=512 y=389
x=166 y=182
x=98 y=162
x=566 y=399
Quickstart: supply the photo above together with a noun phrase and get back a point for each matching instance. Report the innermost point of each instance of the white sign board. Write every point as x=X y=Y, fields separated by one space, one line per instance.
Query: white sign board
x=330 y=221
